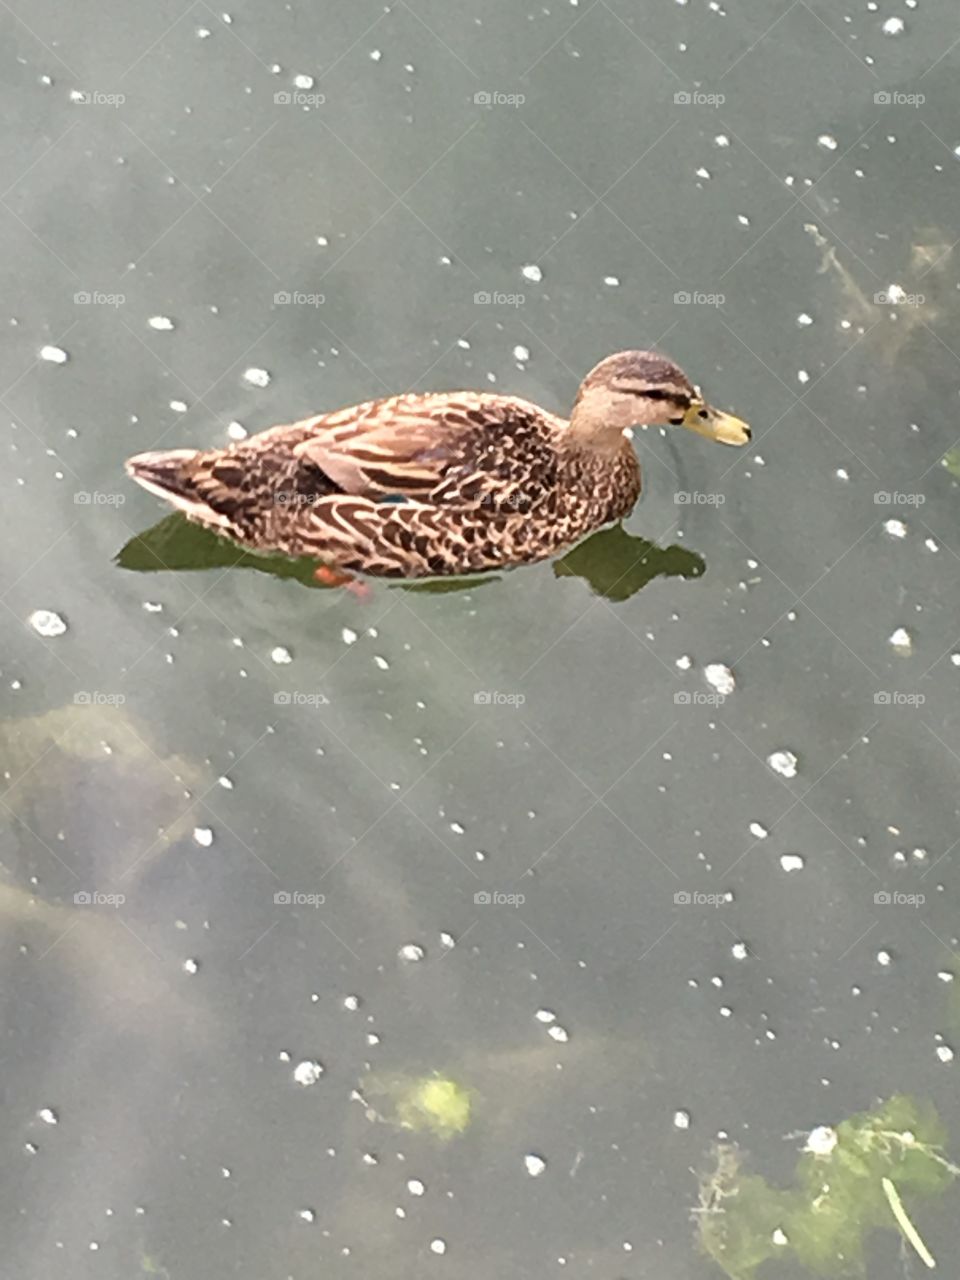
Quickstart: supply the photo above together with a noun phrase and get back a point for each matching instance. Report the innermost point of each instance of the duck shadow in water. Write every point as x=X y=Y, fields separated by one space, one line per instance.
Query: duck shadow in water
x=613 y=563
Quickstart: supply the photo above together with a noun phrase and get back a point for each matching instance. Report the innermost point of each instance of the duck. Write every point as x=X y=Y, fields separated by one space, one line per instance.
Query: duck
x=438 y=483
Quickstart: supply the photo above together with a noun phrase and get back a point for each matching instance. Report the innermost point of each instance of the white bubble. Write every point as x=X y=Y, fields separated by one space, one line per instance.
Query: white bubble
x=415 y=1187
x=532 y=272
x=535 y=1165
x=893 y=27
x=303 y=81
x=895 y=528
x=203 y=836
x=720 y=677
x=256 y=377
x=438 y=1246
x=827 y=141
x=759 y=831
x=902 y=641
x=784 y=763
x=411 y=952
x=47 y=623
x=162 y=323
x=307 y=1072
x=521 y=353
x=792 y=862
x=681 y=1119
x=281 y=656
x=821 y=1141
x=55 y=355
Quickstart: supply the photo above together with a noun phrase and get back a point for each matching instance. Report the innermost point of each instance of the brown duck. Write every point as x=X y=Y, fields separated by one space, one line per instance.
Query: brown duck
x=441 y=483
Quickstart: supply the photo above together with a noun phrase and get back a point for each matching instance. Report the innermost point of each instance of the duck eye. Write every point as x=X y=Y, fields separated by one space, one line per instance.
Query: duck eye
x=703 y=414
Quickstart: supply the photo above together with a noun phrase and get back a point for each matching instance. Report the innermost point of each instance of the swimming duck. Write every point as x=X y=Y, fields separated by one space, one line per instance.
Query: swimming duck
x=429 y=484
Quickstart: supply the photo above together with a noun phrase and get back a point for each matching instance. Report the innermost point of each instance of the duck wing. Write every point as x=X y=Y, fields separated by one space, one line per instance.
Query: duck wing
x=460 y=449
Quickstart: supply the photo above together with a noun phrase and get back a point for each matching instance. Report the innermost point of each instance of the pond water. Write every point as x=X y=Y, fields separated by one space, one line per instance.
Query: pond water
x=449 y=931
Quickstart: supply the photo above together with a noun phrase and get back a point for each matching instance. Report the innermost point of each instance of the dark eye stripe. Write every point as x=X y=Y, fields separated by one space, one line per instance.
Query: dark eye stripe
x=658 y=393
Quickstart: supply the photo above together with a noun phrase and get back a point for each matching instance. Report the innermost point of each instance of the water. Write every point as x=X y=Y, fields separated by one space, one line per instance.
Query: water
x=502 y=873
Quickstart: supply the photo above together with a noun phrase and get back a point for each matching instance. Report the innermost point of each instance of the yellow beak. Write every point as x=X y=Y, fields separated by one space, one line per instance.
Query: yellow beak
x=716 y=425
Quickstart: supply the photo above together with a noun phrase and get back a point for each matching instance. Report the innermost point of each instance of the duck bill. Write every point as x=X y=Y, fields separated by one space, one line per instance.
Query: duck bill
x=721 y=427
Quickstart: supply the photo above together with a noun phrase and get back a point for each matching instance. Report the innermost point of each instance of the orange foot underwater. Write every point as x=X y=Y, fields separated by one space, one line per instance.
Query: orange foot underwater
x=329 y=577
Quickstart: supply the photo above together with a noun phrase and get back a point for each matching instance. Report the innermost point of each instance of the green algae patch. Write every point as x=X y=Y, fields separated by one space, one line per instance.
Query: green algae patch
x=432 y=1104
x=861 y=1175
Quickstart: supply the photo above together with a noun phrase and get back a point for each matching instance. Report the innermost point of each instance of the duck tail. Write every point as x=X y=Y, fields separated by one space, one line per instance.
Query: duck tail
x=166 y=473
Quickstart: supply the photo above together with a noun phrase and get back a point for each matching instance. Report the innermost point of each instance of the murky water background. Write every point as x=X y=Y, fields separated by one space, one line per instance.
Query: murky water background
x=680 y=941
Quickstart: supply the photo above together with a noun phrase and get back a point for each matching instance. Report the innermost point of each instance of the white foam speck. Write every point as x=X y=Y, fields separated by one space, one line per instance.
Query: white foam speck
x=55 y=355
x=720 y=677
x=792 y=862
x=257 y=377
x=161 y=323
x=203 y=836
x=534 y=1165
x=47 y=623
x=532 y=272
x=303 y=81
x=828 y=142
x=784 y=763
x=307 y=1072
x=902 y=641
